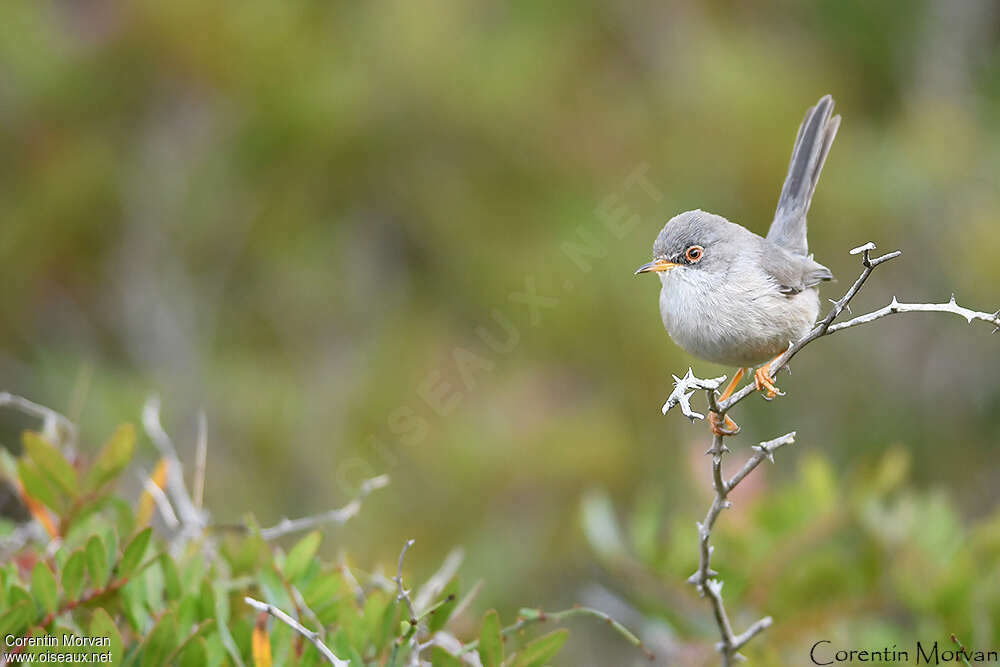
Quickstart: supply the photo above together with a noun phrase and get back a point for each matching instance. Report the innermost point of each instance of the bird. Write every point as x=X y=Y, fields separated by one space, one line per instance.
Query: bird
x=732 y=297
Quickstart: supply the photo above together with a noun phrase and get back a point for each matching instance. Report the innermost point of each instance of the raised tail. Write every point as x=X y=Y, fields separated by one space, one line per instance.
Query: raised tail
x=811 y=148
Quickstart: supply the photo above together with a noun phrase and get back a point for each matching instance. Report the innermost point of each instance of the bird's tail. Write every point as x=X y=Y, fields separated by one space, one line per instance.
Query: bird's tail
x=811 y=148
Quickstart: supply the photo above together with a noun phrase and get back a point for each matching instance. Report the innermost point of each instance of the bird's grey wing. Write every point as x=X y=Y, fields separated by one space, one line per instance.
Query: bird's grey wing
x=812 y=145
x=791 y=271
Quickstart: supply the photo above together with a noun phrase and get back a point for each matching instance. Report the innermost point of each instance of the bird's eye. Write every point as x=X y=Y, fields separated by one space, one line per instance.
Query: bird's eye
x=694 y=253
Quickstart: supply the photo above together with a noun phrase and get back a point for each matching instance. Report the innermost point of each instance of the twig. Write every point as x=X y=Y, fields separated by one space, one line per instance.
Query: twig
x=764 y=450
x=896 y=307
x=703 y=578
x=436 y=584
x=52 y=421
x=827 y=327
x=341 y=515
x=531 y=616
x=685 y=387
x=161 y=500
x=962 y=652
x=201 y=460
x=313 y=637
x=359 y=592
x=192 y=519
x=403 y=595
x=464 y=603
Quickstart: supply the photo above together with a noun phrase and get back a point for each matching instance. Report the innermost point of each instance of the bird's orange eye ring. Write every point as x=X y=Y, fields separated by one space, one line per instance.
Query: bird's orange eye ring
x=694 y=253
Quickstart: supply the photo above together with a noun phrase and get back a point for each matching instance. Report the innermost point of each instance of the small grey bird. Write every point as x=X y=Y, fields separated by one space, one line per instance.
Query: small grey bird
x=732 y=297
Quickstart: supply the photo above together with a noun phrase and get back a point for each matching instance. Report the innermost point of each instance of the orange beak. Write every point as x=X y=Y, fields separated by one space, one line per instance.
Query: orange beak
x=656 y=265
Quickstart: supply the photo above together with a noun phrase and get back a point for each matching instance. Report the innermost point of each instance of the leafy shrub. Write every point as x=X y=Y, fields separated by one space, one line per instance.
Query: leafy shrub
x=102 y=583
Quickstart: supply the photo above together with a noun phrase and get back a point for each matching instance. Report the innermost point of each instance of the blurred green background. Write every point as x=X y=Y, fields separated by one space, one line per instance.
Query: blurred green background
x=298 y=215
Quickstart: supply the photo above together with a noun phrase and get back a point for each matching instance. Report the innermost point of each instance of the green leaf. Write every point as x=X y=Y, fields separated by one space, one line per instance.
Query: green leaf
x=16 y=594
x=160 y=642
x=132 y=556
x=73 y=573
x=97 y=561
x=171 y=579
x=441 y=658
x=382 y=634
x=221 y=595
x=195 y=654
x=132 y=601
x=301 y=555
x=101 y=625
x=194 y=635
x=114 y=456
x=44 y=587
x=490 y=641
x=51 y=461
x=538 y=652
x=439 y=617
x=78 y=652
x=16 y=619
x=37 y=486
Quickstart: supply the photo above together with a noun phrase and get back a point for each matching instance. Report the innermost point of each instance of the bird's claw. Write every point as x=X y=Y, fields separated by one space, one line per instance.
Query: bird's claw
x=724 y=426
x=762 y=380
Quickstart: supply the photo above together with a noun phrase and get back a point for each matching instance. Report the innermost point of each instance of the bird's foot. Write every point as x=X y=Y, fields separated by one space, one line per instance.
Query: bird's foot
x=762 y=380
x=722 y=426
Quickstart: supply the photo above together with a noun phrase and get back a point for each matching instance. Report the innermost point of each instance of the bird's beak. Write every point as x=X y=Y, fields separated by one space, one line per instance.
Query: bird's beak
x=656 y=265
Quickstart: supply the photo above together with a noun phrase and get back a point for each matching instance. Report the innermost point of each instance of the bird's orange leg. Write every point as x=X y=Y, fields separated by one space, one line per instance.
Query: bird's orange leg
x=728 y=426
x=764 y=383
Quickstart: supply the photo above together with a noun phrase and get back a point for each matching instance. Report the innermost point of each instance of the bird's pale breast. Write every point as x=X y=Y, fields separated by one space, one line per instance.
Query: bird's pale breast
x=736 y=323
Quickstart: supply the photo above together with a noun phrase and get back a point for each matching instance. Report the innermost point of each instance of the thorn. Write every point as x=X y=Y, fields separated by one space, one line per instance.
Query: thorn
x=711 y=550
x=726 y=504
x=893 y=305
x=863 y=248
x=952 y=299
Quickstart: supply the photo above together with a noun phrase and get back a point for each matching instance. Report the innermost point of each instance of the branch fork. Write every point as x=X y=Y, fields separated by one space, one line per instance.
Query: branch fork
x=705 y=579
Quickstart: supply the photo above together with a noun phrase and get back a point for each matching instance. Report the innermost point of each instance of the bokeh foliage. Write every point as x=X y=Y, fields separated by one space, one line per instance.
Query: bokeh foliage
x=104 y=589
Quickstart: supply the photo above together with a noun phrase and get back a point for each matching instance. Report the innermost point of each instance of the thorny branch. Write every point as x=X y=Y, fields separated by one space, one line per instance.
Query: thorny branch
x=705 y=579
x=826 y=326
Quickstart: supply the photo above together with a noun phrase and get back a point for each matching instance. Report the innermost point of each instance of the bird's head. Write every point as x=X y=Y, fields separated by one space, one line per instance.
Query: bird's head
x=691 y=241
